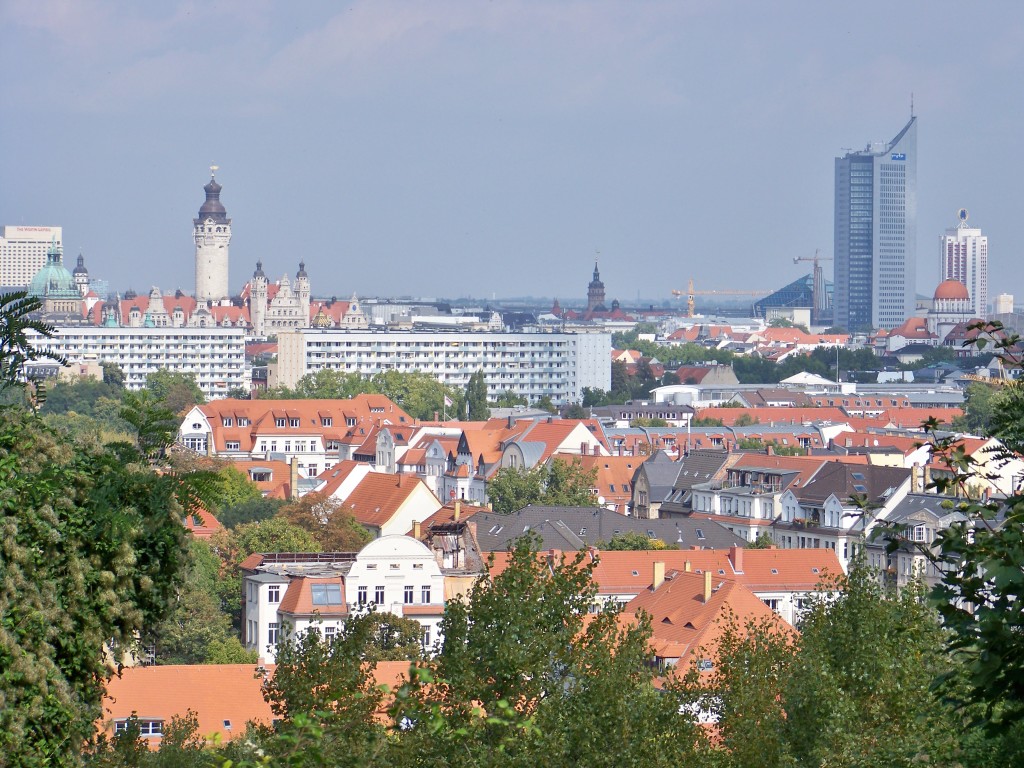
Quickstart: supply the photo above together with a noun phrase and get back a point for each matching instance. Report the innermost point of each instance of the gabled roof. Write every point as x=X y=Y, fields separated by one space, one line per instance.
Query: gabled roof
x=683 y=623
x=379 y=496
x=773 y=415
x=844 y=480
x=661 y=471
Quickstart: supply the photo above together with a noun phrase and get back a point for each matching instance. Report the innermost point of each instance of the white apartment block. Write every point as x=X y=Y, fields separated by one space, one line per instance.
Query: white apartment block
x=558 y=365
x=963 y=256
x=215 y=356
x=23 y=253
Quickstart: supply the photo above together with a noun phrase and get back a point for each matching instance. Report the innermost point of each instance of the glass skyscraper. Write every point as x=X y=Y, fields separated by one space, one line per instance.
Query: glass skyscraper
x=876 y=233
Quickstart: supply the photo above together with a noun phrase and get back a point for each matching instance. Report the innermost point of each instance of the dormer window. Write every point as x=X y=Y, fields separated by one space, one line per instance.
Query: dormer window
x=227 y=421
x=280 y=422
x=293 y=422
x=326 y=421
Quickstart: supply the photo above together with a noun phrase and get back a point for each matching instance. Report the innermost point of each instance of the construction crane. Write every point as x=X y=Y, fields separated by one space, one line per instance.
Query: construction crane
x=819 y=297
x=690 y=293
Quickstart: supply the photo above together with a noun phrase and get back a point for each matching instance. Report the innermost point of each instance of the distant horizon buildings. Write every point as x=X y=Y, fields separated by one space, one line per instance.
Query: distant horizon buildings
x=23 y=252
x=963 y=256
x=876 y=233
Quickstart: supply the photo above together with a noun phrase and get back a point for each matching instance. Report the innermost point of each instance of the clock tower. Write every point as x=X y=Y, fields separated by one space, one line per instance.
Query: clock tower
x=212 y=230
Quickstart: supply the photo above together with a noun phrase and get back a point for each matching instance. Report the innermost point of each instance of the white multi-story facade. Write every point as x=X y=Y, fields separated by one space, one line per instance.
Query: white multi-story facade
x=23 y=253
x=212 y=231
x=393 y=574
x=532 y=365
x=963 y=256
x=215 y=356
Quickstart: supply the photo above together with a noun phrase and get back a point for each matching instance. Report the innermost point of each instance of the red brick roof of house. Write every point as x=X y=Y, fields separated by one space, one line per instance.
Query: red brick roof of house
x=776 y=416
x=224 y=697
x=298 y=599
x=614 y=477
x=379 y=496
x=690 y=611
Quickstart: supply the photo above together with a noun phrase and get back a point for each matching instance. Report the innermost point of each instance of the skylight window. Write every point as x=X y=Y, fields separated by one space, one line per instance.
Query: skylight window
x=636 y=573
x=326 y=594
x=775 y=571
x=700 y=533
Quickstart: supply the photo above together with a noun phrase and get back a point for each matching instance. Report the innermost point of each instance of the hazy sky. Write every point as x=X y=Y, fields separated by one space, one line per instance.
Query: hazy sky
x=449 y=148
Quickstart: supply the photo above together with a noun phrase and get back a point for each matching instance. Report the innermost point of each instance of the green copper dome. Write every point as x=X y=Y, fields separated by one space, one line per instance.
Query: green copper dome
x=53 y=281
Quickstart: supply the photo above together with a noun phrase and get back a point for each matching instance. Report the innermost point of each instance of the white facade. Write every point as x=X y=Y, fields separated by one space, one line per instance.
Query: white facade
x=1003 y=304
x=393 y=574
x=216 y=356
x=23 y=253
x=212 y=233
x=533 y=365
x=963 y=256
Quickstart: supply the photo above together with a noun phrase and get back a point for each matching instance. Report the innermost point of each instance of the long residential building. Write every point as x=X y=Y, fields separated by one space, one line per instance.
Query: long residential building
x=532 y=365
x=215 y=356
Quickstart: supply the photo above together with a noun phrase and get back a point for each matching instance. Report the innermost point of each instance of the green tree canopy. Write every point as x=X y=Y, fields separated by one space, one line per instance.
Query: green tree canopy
x=476 y=397
x=176 y=391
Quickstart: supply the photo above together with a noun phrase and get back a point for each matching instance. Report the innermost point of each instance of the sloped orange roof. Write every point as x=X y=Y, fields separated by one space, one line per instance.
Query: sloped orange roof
x=215 y=692
x=337 y=475
x=776 y=416
x=379 y=496
x=298 y=600
x=683 y=623
x=202 y=524
x=784 y=570
x=614 y=476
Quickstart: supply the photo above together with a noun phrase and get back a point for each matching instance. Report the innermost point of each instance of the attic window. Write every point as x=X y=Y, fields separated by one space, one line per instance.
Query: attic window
x=326 y=421
x=583 y=531
x=326 y=594
x=775 y=571
x=293 y=422
x=814 y=570
x=860 y=488
x=721 y=572
x=227 y=724
x=857 y=475
x=700 y=533
x=635 y=573
x=650 y=534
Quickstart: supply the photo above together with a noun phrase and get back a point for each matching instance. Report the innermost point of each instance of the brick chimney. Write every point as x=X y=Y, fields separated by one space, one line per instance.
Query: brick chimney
x=736 y=558
x=658 y=576
x=707 y=586
x=416 y=529
x=293 y=478
x=458 y=511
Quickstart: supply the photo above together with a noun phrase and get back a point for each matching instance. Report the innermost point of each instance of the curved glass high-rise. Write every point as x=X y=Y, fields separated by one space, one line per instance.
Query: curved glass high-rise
x=876 y=233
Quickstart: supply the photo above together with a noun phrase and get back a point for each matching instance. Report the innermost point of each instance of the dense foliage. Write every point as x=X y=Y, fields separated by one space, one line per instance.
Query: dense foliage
x=557 y=483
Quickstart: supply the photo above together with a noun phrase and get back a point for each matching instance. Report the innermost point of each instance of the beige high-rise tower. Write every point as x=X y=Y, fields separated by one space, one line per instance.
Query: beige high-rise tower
x=963 y=256
x=213 y=236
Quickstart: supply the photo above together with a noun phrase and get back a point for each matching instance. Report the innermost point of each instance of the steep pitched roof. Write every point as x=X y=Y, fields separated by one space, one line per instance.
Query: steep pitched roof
x=379 y=496
x=298 y=600
x=845 y=480
x=683 y=623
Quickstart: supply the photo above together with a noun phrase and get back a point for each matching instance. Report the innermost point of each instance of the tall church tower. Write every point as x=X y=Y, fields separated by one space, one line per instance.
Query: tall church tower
x=302 y=291
x=258 y=301
x=595 y=293
x=213 y=235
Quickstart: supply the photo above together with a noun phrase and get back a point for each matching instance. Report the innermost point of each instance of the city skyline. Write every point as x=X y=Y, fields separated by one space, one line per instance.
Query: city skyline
x=454 y=149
